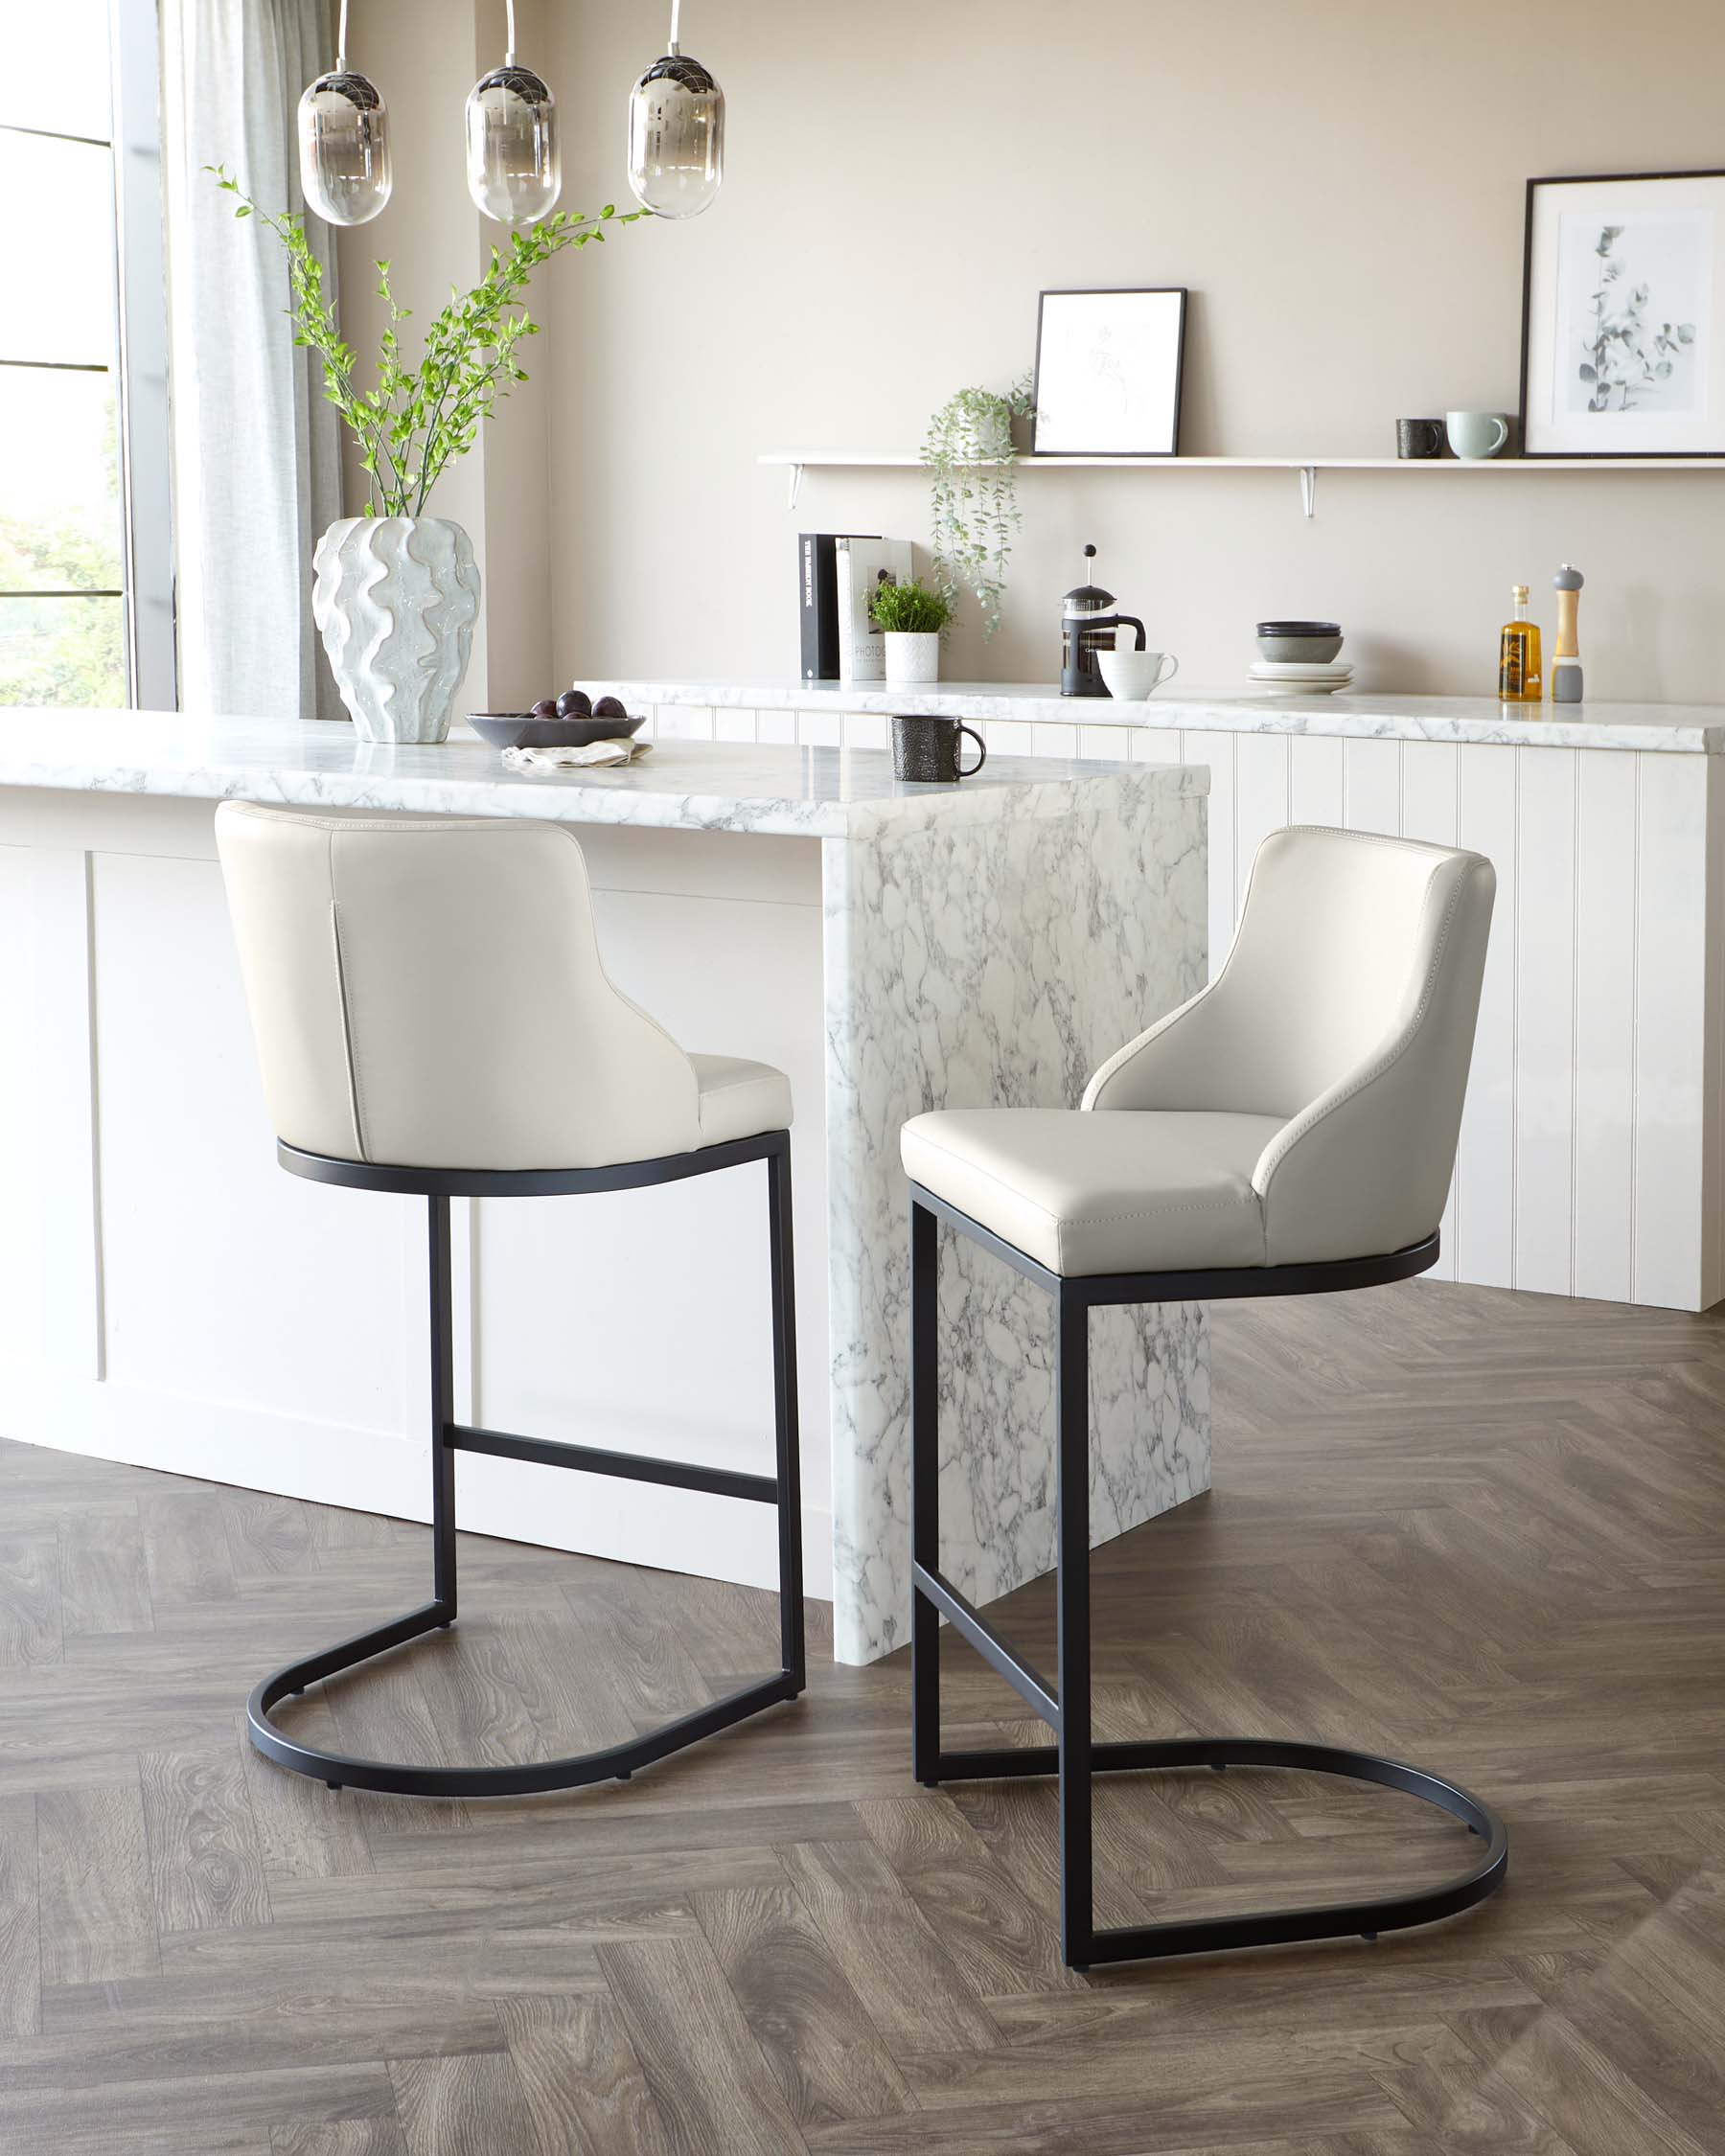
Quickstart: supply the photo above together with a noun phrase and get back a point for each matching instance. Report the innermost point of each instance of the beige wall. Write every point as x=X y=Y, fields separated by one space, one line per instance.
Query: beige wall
x=1338 y=184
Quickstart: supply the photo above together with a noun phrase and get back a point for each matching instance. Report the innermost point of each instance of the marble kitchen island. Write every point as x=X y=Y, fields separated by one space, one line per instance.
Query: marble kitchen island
x=169 y=1297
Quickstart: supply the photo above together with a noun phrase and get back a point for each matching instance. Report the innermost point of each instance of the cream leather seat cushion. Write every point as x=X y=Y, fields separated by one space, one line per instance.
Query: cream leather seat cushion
x=1100 y=1191
x=740 y=1099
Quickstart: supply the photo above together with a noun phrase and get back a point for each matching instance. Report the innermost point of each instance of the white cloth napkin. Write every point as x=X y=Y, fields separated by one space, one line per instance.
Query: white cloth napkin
x=572 y=758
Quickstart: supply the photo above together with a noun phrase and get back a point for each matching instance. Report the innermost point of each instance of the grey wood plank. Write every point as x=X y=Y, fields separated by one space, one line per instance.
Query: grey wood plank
x=186 y=2115
x=896 y=1963
x=827 y=2054
x=104 y=1581
x=435 y=1957
x=381 y=1713
x=584 y=2085
x=305 y=1831
x=506 y=1687
x=215 y=2022
x=586 y=1895
x=206 y=1868
x=98 y=1918
x=468 y=2106
x=186 y=1547
x=20 y=1923
x=997 y=1937
x=30 y=1599
x=266 y=1534
x=708 y=2078
x=632 y=1634
x=347 y=2137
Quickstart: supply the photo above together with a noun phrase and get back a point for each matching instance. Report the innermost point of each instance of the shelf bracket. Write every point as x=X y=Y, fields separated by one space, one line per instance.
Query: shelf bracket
x=796 y=489
x=1308 y=488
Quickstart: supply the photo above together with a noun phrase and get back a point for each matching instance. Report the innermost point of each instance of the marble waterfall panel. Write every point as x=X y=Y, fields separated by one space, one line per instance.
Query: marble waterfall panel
x=996 y=953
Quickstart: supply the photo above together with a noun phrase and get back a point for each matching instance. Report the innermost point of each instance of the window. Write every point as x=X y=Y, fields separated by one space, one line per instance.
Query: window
x=86 y=599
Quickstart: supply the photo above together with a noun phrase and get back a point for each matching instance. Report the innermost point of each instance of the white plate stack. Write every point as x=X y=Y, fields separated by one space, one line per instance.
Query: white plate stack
x=1302 y=677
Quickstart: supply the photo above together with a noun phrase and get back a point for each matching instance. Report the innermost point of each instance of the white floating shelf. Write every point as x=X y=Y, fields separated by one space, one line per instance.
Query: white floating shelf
x=799 y=461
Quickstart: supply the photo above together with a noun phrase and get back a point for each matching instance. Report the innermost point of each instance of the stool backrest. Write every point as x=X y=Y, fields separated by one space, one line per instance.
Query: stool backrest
x=1346 y=1007
x=429 y=993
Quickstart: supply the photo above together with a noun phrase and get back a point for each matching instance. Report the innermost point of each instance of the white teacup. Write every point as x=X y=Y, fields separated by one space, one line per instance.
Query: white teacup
x=1131 y=675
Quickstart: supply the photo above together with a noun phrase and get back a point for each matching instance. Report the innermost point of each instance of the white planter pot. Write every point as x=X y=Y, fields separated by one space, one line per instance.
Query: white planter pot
x=912 y=656
x=396 y=599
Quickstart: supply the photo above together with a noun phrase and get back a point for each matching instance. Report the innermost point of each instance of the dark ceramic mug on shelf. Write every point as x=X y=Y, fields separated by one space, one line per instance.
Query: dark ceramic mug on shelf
x=1419 y=437
x=926 y=750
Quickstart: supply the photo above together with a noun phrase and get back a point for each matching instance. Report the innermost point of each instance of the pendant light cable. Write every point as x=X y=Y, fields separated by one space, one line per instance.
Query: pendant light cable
x=675 y=11
x=508 y=10
x=341 y=41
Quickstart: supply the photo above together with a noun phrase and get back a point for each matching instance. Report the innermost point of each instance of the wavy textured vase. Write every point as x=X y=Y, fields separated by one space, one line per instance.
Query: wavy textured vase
x=396 y=599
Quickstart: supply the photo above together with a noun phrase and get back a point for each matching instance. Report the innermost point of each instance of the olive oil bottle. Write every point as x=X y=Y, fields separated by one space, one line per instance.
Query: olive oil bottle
x=1519 y=678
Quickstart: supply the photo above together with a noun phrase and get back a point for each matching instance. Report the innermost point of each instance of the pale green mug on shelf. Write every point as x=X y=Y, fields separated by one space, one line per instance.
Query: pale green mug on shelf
x=1477 y=434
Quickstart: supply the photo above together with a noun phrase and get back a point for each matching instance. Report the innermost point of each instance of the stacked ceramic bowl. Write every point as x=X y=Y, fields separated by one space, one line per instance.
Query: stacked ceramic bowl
x=1297 y=659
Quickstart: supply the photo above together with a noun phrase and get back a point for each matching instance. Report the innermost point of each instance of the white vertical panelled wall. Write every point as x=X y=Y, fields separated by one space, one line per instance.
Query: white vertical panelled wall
x=1589 y=1161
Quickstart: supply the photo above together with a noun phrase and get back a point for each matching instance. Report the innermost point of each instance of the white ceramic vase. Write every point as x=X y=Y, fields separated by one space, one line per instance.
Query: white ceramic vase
x=396 y=599
x=912 y=655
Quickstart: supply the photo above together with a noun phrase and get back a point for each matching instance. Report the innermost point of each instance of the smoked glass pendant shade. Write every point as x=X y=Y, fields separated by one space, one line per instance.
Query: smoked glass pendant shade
x=344 y=148
x=676 y=137
x=515 y=168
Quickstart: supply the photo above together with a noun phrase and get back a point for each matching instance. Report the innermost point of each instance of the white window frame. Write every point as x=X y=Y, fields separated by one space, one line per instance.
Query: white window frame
x=139 y=362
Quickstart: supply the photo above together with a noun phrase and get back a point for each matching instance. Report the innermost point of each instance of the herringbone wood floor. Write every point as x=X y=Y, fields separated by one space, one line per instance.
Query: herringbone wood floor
x=1484 y=1531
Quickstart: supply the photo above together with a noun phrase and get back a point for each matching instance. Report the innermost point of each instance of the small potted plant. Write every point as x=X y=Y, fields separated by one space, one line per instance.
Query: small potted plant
x=911 y=619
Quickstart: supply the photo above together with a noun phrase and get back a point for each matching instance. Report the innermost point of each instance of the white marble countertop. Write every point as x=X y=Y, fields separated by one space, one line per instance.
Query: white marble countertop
x=697 y=786
x=1694 y=728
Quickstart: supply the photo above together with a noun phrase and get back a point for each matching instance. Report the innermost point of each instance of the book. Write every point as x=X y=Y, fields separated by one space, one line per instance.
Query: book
x=818 y=603
x=859 y=566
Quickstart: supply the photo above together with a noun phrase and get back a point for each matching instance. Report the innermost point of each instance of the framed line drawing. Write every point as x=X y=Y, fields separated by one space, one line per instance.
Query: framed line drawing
x=1107 y=366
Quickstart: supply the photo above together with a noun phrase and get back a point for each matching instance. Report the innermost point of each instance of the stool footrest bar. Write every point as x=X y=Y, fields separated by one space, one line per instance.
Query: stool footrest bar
x=975 y=1627
x=633 y=1467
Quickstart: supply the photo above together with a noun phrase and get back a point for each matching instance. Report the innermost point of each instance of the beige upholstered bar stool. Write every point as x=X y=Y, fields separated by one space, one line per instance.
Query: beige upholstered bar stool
x=1291 y=1130
x=433 y=1017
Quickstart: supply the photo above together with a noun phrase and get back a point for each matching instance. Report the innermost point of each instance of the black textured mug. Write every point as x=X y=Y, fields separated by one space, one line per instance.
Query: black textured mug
x=926 y=750
x=1419 y=437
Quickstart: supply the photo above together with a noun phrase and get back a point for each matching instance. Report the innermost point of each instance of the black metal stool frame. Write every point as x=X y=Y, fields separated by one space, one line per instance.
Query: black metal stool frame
x=1073 y=1756
x=618 y=1761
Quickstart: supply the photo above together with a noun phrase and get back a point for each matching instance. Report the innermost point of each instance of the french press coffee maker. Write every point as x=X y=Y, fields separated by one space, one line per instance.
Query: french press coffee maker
x=1087 y=626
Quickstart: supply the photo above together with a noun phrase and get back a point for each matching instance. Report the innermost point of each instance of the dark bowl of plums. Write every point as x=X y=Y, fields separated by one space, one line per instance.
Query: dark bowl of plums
x=571 y=720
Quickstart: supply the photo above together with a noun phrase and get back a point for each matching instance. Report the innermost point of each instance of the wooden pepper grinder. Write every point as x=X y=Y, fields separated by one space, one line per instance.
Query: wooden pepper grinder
x=1566 y=659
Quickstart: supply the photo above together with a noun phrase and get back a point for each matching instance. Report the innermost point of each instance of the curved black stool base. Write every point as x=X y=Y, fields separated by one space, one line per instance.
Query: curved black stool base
x=1065 y=1705
x=782 y=1489
x=615 y=1763
x=1214 y=1934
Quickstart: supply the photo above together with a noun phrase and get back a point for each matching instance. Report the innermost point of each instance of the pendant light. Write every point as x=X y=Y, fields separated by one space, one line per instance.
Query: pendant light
x=515 y=168
x=344 y=143
x=676 y=134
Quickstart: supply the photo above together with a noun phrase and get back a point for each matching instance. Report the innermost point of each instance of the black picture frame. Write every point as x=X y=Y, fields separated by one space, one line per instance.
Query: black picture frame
x=1099 y=291
x=1590 y=179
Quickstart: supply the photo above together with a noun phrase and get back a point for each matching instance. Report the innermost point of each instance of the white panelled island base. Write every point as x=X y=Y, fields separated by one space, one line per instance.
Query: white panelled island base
x=170 y=1297
x=1593 y=1147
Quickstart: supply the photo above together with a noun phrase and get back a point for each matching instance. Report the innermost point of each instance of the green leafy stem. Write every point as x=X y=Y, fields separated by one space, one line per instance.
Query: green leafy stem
x=418 y=420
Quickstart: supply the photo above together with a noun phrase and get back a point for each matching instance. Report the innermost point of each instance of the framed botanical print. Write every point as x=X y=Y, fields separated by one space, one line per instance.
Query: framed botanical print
x=1108 y=373
x=1622 y=352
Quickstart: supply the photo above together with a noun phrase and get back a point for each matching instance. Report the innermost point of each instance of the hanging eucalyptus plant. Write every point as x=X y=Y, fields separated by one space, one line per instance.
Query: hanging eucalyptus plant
x=973 y=493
